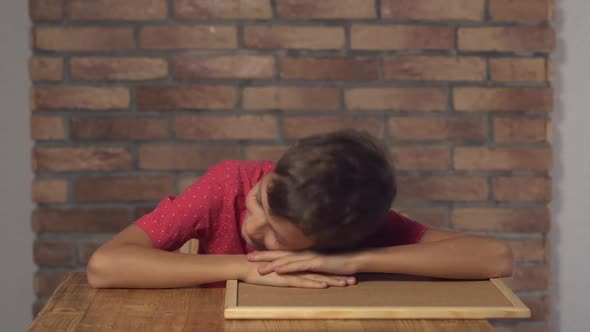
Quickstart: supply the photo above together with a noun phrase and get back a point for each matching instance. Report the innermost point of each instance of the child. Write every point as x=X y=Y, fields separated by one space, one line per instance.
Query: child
x=328 y=193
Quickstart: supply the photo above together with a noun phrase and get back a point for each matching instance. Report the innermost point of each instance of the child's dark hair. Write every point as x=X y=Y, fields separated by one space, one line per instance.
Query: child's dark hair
x=336 y=187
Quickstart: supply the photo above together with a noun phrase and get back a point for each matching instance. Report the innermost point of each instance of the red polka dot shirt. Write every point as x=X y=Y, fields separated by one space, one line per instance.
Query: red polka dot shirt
x=214 y=207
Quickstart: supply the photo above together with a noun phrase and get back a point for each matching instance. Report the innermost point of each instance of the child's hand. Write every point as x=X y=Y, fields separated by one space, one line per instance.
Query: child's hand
x=282 y=262
x=301 y=280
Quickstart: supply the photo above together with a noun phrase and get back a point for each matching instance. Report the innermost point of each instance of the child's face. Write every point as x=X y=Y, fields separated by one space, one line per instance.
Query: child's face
x=265 y=232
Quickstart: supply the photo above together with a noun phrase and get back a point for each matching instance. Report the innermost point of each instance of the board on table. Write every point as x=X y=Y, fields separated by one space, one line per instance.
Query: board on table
x=381 y=296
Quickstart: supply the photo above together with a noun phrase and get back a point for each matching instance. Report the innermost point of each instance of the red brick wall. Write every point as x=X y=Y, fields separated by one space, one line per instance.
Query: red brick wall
x=132 y=100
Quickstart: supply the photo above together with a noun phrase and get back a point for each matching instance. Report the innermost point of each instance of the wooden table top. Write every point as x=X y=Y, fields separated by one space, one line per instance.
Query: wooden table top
x=75 y=306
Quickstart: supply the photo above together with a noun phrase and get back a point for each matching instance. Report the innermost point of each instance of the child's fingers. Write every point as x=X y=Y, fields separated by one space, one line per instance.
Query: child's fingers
x=349 y=279
x=270 y=267
x=267 y=256
x=331 y=281
x=299 y=281
x=310 y=265
x=299 y=266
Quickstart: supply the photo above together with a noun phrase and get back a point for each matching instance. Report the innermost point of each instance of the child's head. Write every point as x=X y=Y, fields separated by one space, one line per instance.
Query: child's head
x=327 y=191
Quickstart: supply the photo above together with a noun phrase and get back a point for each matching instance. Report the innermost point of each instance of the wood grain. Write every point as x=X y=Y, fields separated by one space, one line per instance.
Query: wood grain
x=75 y=306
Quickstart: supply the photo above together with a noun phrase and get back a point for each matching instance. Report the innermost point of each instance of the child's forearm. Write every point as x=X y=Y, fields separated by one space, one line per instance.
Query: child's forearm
x=458 y=258
x=130 y=266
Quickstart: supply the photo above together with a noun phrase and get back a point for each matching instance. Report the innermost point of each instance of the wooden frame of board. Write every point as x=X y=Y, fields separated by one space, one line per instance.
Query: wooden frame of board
x=516 y=309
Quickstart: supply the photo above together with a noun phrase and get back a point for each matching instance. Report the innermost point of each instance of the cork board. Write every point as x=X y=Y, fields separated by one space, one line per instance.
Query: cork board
x=380 y=296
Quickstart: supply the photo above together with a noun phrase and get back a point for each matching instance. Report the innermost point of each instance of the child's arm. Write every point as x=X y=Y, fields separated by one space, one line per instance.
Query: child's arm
x=440 y=254
x=130 y=260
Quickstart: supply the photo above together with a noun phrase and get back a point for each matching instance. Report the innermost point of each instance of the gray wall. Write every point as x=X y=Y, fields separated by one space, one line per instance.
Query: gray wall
x=15 y=170
x=570 y=235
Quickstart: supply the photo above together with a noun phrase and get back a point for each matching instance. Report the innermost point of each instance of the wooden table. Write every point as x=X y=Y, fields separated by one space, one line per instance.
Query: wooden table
x=74 y=306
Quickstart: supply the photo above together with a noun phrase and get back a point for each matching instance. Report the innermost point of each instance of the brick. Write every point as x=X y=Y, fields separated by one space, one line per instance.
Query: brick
x=185 y=182
x=528 y=278
x=123 y=188
x=550 y=70
x=84 y=98
x=53 y=253
x=326 y=9
x=521 y=10
x=506 y=39
x=539 y=305
x=291 y=98
x=434 y=68
x=87 y=248
x=189 y=37
x=525 y=130
x=401 y=37
x=437 y=10
x=226 y=9
x=50 y=191
x=229 y=127
x=522 y=188
x=473 y=99
x=428 y=215
x=503 y=159
x=518 y=70
x=330 y=68
x=45 y=282
x=47 y=128
x=79 y=220
x=528 y=250
x=117 y=68
x=185 y=158
x=293 y=37
x=225 y=66
x=396 y=99
x=45 y=10
x=119 y=128
x=186 y=97
x=81 y=159
x=421 y=158
x=128 y=10
x=253 y=152
x=46 y=69
x=84 y=39
x=442 y=188
x=299 y=127
x=453 y=129
x=501 y=219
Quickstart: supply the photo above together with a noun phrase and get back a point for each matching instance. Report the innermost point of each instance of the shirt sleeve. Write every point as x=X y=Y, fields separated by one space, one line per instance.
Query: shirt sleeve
x=398 y=230
x=178 y=219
